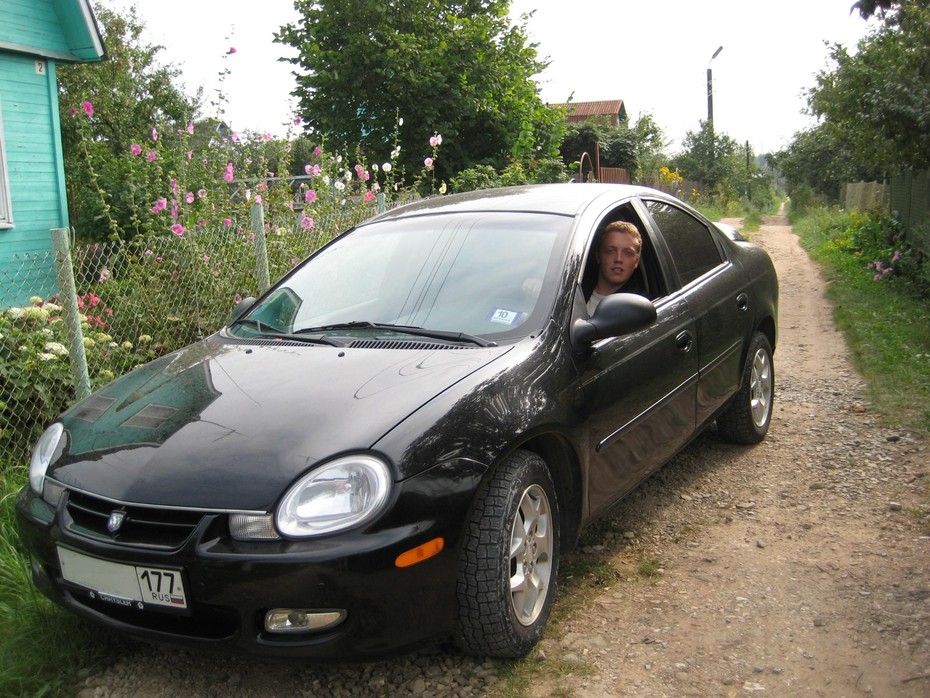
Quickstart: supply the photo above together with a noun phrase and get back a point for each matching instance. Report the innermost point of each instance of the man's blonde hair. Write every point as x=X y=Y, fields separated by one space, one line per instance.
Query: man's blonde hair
x=629 y=229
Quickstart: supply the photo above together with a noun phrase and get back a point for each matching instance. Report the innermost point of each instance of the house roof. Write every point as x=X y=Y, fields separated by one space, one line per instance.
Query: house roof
x=580 y=111
x=63 y=30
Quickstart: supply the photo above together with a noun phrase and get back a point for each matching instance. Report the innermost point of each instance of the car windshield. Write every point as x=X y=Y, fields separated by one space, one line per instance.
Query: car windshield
x=490 y=275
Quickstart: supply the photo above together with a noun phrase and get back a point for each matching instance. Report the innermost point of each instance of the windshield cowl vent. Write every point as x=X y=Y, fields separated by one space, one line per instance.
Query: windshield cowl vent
x=400 y=344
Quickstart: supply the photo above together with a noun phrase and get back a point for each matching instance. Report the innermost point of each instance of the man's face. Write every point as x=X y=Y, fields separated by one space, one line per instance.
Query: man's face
x=617 y=259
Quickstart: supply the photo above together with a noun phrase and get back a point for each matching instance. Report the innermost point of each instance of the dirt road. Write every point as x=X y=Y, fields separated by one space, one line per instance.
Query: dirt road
x=794 y=568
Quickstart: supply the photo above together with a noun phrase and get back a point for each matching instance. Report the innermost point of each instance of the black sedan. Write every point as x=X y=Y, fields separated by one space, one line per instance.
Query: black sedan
x=393 y=445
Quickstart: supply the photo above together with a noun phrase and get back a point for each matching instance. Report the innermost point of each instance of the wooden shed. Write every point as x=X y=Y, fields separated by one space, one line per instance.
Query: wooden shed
x=35 y=37
x=612 y=111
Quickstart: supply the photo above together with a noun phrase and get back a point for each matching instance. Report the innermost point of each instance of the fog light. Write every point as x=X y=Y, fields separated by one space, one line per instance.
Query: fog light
x=301 y=620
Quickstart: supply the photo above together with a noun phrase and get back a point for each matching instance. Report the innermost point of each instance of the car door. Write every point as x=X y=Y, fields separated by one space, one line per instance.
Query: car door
x=717 y=294
x=639 y=393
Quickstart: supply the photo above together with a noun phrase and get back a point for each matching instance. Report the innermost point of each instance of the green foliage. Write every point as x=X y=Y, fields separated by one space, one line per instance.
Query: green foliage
x=886 y=323
x=817 y=163
x=456 y=69
x=728 y=171
x=878 y=98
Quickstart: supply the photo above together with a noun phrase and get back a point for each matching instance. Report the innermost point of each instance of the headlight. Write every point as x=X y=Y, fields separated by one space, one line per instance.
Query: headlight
x=45 y=451
x=339 y=495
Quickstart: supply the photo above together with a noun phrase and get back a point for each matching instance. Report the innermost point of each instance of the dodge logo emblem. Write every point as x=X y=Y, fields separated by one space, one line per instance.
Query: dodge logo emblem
x=115 y=522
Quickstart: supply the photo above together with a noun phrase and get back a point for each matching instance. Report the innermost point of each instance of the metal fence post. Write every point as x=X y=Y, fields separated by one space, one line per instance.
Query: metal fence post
x=70 y=315
x=257 y=213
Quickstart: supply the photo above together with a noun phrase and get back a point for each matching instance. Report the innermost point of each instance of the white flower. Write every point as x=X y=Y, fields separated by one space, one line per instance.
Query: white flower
x=126 y=345
x=88 y=342
x=340 y=185
x=145 y=338
x=386 y=167
x=56 y=348
x=375 y=167
x=52 y=307
x=47 y=357
x=15 y=313
x=35 y=300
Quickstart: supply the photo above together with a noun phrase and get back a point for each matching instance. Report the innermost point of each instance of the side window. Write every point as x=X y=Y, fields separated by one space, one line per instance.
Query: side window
x=692 y=245
x=6 y=209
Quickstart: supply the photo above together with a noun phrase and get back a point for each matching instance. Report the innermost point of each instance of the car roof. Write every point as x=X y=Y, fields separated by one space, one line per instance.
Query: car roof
x=564 y=199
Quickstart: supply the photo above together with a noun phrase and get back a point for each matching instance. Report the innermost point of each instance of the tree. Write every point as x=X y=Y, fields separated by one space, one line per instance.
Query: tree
x=879 y=97
x=127 y=96
x=375 y=73
x=818 y=160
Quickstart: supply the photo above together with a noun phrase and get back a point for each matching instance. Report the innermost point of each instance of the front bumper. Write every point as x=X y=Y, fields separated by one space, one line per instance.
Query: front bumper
x=231 y=585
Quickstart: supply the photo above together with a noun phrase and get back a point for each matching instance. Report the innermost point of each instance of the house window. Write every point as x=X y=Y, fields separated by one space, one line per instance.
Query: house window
x=6 y=207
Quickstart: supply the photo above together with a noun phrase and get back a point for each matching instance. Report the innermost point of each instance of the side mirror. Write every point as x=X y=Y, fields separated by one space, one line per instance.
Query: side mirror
x=242 y=307
x=616 y=315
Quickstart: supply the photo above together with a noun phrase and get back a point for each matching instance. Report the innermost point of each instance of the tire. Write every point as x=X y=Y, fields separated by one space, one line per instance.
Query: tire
x=509 y=562
x=747 y=418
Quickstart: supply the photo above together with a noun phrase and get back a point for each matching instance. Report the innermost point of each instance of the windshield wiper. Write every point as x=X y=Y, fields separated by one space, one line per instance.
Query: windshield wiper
x=405 y=329
x=269 y=331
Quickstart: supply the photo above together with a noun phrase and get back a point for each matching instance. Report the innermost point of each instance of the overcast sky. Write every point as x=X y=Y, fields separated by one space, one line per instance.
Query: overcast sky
x=652 y=55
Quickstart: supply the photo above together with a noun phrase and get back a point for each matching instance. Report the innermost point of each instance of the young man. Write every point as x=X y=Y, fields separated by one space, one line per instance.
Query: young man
x=617 y=258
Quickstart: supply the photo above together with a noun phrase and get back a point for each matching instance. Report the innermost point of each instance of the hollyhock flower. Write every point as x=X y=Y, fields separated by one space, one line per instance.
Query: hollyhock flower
x=190 y=129
x=232 y=50
x=177 y=229
x=297 y=120
x=258 y=199
x=201 y=193
x=318 y=151
x=235 y=138
x=310 y=196
x=227 y=222
x=88 y=108
x=386 y=167
x=428 y=163
x=154 y=134
x=160 y=205
x=369 y=195
x=306 y=222
x=151 y=155
x=307 y=169
x=104 y=276
x=228 y=176
x=74 y=111
x=435 y=141
x=175 y=188
x=135 y=149
x=190 y=155
x=189 y=197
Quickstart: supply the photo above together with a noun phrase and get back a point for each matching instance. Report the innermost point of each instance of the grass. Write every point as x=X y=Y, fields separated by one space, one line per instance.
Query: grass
x=43 y=649
x=886 y=325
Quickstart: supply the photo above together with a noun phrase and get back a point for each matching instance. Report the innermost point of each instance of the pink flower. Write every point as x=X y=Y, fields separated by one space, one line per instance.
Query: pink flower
x=206 y=258
x=318 y=151
x=190 y=154
x=154 y=134
x=307 y=169
x=297 y=120
x=369 y=195
x=135 y=149
x=160 y=205
x=74 y=111
x=435 y=141
x=232 y=50
x=310 y=196
x=190 y=128
x=258 y=199
x=227 y=222
x=189 y=198
x=151 y=155
x=201 y=193
x=104 y=276
x=177 y=229
x=228 y=176
x=175 y=189
x=88 y=108
x=316 y=170
x=306 y=222
x=428 y=163
x=235 y=138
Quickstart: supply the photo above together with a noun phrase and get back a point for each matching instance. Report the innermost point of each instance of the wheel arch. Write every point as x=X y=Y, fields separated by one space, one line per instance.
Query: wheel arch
x=564 y=466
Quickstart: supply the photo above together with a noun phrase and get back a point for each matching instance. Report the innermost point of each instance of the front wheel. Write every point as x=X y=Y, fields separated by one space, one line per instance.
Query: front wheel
x=747 y=419
x=509 y=561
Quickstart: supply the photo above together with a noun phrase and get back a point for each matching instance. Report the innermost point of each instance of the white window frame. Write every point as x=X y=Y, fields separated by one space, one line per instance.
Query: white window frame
x=6 y=204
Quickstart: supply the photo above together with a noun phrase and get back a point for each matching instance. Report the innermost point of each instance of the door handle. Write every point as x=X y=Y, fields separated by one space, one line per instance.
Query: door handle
x=742 y=302
x=684 y=341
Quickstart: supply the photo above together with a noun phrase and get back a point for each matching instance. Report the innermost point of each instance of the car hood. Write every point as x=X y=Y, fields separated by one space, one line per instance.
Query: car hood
x=230 y=426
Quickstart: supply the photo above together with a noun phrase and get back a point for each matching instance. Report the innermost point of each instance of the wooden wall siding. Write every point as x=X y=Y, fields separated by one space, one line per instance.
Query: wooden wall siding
x=32 y=24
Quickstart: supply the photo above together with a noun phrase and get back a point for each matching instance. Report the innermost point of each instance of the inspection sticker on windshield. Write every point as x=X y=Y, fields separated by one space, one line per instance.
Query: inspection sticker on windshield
x=502 y=316
x=124 y=585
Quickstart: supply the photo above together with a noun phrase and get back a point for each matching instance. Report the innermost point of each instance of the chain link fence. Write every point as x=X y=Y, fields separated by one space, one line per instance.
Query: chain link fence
x=136 y=300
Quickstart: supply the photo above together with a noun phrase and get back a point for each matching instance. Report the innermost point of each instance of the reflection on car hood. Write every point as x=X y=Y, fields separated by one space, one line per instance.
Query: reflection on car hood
x=229 y=426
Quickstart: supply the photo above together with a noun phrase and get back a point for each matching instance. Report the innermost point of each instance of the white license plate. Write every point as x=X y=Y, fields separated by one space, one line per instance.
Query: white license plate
x=126 y=585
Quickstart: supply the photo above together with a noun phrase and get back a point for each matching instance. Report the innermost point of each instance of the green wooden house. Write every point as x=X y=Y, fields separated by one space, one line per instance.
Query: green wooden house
x=35 y=37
